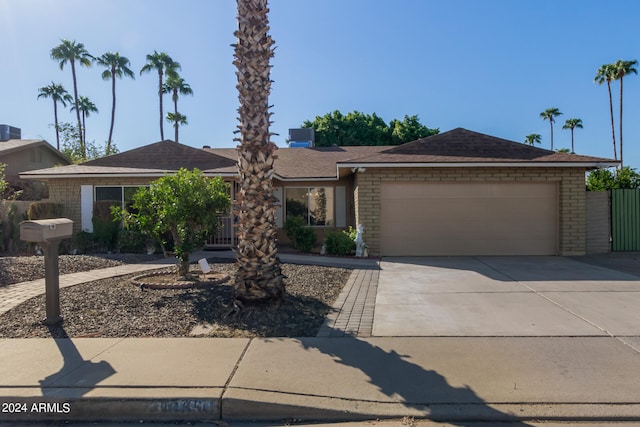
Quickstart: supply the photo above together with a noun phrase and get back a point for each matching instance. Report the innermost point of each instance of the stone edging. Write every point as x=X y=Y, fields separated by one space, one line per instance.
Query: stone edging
x=138 y=281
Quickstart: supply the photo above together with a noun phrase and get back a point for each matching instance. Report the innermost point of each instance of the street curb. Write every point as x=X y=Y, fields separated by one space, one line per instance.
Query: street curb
x=112 y=409
x=306 y=408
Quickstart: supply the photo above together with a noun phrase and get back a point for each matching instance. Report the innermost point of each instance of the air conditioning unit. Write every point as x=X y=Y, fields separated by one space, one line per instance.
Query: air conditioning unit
x=302 y=135
x=9 y=132
x=300 y=144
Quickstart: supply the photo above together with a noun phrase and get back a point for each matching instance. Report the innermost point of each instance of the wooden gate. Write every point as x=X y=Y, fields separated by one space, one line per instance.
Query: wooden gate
x=625 y=219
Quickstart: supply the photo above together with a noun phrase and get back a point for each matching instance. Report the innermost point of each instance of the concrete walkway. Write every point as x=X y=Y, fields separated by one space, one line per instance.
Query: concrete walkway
x=347 y=374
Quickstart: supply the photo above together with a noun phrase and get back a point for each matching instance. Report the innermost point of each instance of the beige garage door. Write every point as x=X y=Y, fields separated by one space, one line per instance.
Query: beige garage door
x=469 y=219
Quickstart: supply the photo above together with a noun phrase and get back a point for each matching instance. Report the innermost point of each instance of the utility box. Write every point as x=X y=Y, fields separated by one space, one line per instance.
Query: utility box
x=46 y=230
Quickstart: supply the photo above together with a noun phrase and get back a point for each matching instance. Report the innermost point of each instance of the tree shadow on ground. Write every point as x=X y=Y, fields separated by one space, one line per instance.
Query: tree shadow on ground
x=419 y=389
x=295 y=316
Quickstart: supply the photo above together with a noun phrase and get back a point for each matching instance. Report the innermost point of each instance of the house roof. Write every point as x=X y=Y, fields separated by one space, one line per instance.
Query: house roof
x=165 y=155
x=464 y=147
x=153 y=160
x=309 y=163
x=458 y=147
x=15 y=145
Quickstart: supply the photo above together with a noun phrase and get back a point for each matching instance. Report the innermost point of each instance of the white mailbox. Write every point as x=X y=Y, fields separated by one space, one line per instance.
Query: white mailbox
x=45 y=230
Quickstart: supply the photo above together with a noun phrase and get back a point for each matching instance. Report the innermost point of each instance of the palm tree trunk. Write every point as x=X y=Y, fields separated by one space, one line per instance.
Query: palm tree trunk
x=551 y=124
x=259 y=276
x=113 y=109
x=175 y=110
x=160 y=95
x=55 y=116
x=613 y=131
x=83 y=148
x=84 y=130
x=621 y=161
x=572 y=150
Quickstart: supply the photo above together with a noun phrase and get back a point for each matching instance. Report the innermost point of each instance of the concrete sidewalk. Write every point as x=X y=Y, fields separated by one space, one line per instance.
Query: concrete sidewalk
x=449 y=379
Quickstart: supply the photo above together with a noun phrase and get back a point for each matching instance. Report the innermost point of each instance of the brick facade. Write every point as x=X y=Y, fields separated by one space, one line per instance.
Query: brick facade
x=67 y=193
x=366 y=193
x=571 y=194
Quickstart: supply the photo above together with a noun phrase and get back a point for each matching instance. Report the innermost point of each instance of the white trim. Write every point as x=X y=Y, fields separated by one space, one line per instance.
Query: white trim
x=598 y=165
x=117 y=175
x=474 y=164
x=86 y=208
x=298 y=179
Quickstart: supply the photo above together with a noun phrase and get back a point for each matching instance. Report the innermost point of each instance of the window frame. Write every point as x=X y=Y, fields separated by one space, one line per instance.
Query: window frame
x=123 y=204
x=308 y=216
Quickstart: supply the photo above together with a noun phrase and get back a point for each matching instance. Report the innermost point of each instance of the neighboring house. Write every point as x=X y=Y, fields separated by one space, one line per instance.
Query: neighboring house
x=455 y=193
x=21 y=155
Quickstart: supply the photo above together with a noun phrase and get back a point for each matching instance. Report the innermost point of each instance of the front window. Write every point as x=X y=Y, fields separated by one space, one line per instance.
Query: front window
x=116 y=196
x=313 y=204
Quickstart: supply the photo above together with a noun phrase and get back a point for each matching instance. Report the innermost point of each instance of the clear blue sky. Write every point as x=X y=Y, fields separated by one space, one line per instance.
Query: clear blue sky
x=486 y=65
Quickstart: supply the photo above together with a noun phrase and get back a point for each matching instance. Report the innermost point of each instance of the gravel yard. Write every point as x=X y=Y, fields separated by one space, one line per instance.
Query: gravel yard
x=116 y=308
x=24 y=268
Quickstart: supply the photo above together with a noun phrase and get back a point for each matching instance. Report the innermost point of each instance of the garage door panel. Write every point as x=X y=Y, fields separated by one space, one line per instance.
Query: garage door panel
x=469 y=219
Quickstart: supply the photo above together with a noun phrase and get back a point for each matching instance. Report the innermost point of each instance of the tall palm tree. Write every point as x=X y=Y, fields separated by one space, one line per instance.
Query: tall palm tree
x=550 y=114
x=117 y=66
x=533 y=138
x=59 y=94
x=85 y=107
x=70 y=52
x=259 y=276
x=621 y=69
x=176 y=85
x=572 y=124
x=164 y=65
x=606 y=73
x=178 y=120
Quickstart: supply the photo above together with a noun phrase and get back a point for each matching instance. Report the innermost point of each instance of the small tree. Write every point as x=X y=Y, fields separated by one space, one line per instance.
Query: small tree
x=187 y=205
x=606 y=179
x=72 y=149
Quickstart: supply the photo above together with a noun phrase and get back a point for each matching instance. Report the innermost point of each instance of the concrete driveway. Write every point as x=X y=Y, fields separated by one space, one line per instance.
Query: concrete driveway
x=505 y=296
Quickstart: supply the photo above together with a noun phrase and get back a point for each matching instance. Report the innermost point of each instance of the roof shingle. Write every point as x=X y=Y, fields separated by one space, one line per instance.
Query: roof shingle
x=456 y=146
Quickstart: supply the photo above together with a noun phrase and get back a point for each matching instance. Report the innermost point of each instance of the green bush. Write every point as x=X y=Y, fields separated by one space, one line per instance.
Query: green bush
x=339 y=243
x=105 y=229
x=84 y=242
x=12 y=230
x=302 y=236
x=131 y=240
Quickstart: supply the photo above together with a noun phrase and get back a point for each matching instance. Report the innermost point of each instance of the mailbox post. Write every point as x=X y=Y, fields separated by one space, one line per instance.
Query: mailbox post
x=48 y=233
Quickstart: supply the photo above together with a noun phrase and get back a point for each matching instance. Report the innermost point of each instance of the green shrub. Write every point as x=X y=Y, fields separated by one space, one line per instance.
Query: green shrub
x=131 y=240
x=12 y=230
x=302 y=236
x=84 y=242
x=339 y=243
x=105 y=229
x=44 y=210
x=351 y=232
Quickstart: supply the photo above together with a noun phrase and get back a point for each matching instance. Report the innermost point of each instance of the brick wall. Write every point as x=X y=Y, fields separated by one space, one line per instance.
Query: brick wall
x=67 y=192
x=598 y=222
x=571 y=196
